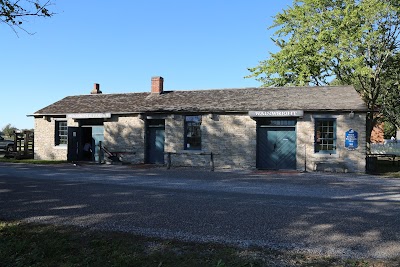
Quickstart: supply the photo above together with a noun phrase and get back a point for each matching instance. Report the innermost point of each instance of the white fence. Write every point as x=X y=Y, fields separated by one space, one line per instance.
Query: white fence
x=386 y=148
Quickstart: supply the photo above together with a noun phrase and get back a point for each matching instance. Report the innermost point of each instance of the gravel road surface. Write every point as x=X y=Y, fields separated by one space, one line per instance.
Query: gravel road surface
x=341 y=215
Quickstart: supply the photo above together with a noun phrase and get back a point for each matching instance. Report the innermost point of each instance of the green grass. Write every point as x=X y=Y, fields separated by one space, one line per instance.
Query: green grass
x=32 y=161
x=44 y=245
x=39 y=245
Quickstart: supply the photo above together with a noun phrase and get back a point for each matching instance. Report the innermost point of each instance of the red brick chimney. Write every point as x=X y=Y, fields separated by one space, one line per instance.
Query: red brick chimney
x=96 y=89
x=157 y=85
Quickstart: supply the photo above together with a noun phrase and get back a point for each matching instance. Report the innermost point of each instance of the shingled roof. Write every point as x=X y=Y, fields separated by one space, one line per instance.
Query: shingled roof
x=221 y=100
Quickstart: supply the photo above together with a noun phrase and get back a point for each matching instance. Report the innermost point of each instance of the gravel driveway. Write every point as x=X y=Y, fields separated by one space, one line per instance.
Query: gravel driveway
x=343 y=215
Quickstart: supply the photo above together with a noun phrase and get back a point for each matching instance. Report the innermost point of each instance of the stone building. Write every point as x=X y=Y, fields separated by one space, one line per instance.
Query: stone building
x=291 y=128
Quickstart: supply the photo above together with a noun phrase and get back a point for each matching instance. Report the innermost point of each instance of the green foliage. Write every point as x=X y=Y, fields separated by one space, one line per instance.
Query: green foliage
x=389 y=130
x=345 y=41
x=14 y=12
x=8 y=130
x=391 y=98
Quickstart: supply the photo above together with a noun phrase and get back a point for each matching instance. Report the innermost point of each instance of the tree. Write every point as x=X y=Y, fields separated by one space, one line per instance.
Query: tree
x=391 y=100
x=349 y=42
x=8 y=130
x=14 y=12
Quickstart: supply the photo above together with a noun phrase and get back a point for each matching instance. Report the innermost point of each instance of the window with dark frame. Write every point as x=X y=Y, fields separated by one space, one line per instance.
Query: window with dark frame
x=192 y=132
x=325 y=136
x=61 y=135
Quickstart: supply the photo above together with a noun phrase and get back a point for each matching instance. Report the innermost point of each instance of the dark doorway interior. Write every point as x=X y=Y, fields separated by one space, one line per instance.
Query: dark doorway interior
x=80 y=144
x=87 y=144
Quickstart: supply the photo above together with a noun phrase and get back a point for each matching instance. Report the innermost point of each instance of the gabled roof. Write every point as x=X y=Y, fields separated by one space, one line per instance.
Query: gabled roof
x=221 y=100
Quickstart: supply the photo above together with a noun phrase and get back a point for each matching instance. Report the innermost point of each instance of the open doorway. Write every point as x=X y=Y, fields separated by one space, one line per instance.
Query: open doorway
x=84 y=143
x=155 y=141
x=87 y=144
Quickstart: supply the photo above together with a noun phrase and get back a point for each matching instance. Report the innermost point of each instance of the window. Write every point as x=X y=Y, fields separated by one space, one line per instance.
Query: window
x=276 y=122
x=192 y=132
x=325 y=136
x=61 y=134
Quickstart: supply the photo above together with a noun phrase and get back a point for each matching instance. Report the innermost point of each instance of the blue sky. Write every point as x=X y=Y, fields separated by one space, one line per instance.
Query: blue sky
x=122 y=44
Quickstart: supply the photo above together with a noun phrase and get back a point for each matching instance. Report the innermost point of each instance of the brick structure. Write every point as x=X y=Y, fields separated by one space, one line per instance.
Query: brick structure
x=157 y=85
x=96 y=89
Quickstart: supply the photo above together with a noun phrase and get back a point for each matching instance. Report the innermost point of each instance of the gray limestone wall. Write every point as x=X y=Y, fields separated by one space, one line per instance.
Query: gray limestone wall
x=125 y=135
x=231 y=139
x=350 y=160
x=45 y=148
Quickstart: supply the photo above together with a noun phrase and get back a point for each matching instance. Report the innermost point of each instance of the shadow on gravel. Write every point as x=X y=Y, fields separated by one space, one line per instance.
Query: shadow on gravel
x=368 y=226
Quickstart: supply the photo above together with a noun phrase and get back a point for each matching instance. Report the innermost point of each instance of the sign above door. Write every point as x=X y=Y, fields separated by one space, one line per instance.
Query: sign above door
x=277 y=113
x=89 y=115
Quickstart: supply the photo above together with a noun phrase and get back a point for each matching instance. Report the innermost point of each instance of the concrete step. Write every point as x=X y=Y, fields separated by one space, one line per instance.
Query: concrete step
x=331 y=167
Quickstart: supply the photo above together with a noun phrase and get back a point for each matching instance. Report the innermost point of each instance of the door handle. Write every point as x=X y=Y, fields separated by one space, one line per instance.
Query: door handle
x=274 y=146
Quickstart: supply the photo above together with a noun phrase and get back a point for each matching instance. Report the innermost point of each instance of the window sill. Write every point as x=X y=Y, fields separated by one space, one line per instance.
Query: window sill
x=326 y=155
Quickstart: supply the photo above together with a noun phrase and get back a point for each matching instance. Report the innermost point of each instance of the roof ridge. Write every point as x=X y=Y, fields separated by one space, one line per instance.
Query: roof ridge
x=224 y=89
x=234 y=99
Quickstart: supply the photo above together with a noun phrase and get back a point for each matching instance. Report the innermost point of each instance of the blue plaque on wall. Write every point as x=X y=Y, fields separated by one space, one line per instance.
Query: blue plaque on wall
x=351 y=139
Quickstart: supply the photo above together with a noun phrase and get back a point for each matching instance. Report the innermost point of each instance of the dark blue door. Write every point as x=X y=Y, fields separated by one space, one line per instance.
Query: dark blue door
x=276 y=148
x=74 y=136
x=155 y=144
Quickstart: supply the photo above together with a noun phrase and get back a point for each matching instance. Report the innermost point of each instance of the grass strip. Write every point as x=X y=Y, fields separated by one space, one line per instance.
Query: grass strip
x=32 y=161
x=23 y=244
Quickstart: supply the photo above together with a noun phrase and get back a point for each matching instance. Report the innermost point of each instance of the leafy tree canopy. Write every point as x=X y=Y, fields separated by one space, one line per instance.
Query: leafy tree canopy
x=15 y=12
x=8 y=130
x=338 y=41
